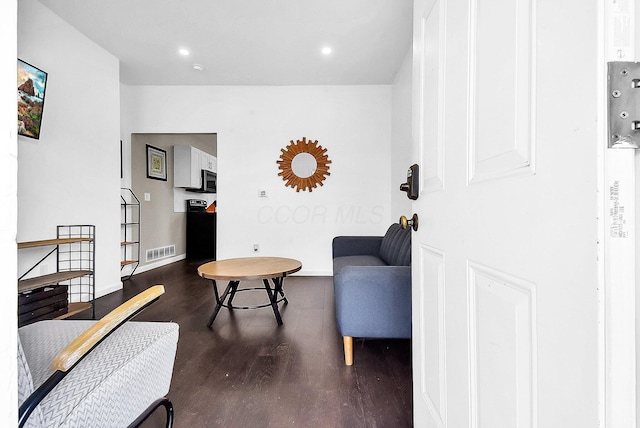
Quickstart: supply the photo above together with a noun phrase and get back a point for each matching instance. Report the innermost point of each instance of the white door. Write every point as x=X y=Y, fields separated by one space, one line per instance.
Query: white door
x=505 y=285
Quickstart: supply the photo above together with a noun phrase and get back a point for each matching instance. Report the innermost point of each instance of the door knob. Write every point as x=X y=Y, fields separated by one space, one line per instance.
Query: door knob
x=413 y=222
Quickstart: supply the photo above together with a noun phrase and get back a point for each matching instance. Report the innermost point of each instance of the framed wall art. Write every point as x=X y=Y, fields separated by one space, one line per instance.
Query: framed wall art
x=156 y=163
x=32 y=83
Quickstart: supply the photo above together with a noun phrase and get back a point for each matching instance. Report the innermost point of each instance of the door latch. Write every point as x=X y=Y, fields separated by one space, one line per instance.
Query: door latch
x=624 y=104
x=413 y=182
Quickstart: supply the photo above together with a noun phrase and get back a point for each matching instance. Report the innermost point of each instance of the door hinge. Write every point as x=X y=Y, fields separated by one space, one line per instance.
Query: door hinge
x=624 y=104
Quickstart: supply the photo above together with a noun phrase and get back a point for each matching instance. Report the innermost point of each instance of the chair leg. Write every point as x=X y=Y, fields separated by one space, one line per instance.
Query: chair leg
x=159 y=402
x=348 y=350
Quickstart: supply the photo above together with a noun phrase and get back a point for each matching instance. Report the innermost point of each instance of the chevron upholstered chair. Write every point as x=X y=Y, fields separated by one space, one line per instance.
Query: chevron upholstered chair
x=109 y=373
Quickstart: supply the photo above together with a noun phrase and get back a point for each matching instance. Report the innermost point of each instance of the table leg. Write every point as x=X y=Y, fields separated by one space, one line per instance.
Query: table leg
x=234 y=288
x=215 y=291
x=219 y=300
x=273 y=298
x=278 y=283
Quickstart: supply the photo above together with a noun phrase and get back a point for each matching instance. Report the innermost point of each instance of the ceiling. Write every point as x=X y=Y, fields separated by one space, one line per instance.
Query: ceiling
x=247 y=42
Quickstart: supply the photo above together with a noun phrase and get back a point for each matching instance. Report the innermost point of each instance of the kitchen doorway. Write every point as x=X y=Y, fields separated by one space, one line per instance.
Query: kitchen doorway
x=163 y=206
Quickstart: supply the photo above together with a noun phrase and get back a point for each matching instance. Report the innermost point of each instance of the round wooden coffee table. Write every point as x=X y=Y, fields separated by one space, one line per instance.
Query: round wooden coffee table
x=249 y=268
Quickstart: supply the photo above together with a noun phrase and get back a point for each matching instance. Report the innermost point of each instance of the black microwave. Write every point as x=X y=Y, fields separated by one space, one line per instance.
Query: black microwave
x=208 y=183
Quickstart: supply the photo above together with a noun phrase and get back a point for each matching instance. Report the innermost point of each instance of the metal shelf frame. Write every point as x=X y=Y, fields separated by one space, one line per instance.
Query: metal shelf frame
x=74 y=250
x=130 y=230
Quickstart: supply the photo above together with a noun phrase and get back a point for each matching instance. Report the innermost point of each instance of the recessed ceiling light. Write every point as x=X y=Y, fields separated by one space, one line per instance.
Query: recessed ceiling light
x=183 y=52
x=198 y=67
x=326 y=50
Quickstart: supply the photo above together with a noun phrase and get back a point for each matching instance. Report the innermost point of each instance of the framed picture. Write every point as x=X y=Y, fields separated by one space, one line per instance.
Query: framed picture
x=156 y=163
x=32 y=83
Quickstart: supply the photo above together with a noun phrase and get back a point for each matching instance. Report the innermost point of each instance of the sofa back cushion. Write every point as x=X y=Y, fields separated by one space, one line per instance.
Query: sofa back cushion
x=395 y=249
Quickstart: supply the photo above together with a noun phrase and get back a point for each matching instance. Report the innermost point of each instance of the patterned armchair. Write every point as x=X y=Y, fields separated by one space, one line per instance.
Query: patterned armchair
x=109 y=373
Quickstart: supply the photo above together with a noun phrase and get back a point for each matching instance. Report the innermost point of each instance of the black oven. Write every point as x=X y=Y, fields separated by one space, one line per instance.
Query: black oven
x=201 y=231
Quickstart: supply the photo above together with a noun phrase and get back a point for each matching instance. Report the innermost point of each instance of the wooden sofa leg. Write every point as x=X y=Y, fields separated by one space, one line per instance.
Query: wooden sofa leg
x=348 y=350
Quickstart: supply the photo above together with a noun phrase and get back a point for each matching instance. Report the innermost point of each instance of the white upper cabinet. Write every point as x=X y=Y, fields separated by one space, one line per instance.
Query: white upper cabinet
x=208 y=162
x=188 y=163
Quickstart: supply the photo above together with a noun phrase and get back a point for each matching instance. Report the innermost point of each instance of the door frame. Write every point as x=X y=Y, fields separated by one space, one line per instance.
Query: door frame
x=616 y=243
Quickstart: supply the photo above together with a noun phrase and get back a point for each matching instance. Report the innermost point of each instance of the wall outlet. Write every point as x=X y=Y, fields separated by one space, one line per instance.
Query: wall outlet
x=255 y=248
x=147 y=197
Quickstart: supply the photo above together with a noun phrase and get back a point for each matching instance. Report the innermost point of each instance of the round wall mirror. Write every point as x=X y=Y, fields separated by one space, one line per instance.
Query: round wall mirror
x=303 y=164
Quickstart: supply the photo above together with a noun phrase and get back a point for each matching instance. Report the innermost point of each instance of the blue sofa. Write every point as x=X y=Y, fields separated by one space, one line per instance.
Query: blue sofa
x=372 y=286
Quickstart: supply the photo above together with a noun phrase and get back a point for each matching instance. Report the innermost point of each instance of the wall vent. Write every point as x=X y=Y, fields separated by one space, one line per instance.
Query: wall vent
x=161 y=253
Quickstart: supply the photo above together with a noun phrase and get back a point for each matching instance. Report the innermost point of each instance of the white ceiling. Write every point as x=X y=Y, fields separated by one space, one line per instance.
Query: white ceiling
x=247 y=42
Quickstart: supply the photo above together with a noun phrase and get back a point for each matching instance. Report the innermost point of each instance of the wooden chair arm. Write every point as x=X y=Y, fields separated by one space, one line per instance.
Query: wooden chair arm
x=92 y=336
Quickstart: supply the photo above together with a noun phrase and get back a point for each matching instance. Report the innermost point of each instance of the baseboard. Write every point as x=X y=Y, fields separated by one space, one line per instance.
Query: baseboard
x=169 y=260
x=314 y=273
x=159 y=263
x=103 y=291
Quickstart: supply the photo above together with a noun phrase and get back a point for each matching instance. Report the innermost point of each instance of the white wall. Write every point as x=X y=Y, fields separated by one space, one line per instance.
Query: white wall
x=71 y=174
x=401 y=149
x=8 y=218
x=253 y=123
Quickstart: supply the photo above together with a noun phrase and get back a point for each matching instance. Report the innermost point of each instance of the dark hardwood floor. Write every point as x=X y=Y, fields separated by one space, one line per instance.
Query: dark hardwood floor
x=246 y=371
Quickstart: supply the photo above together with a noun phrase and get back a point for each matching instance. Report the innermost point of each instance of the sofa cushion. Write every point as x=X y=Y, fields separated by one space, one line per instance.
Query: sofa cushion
x=341 y=262
x=395 y=249
x=373 y=301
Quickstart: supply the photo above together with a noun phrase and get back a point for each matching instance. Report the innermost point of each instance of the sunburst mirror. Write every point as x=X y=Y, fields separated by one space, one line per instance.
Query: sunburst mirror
x=303 y=165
